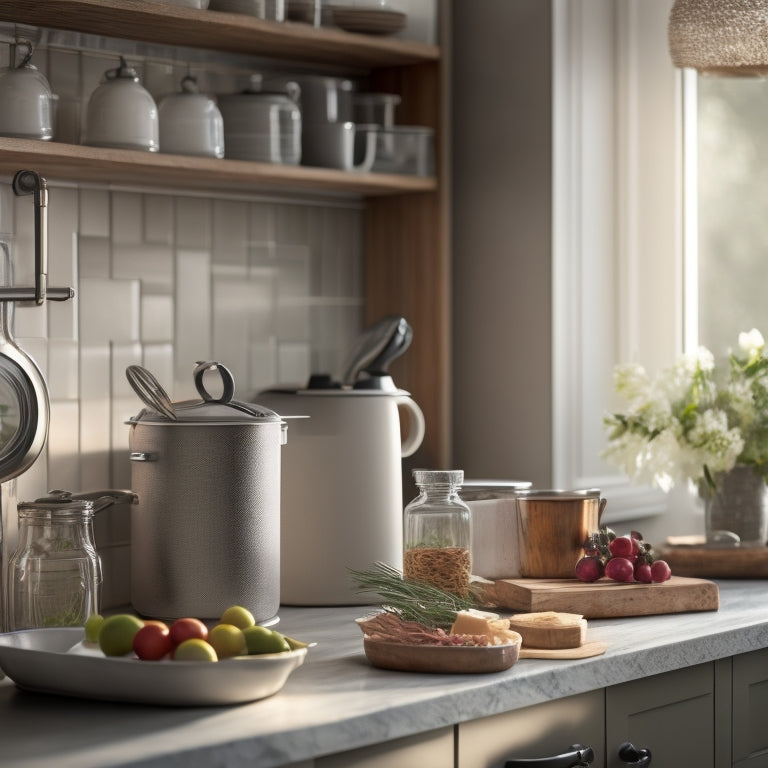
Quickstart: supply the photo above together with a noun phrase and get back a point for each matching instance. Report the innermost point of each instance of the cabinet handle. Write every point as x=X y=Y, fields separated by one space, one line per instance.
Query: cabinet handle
x=577 y=757
x=630 y=755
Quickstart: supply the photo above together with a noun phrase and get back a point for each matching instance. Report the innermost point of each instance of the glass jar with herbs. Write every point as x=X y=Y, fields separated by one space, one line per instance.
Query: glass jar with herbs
x=438 y=532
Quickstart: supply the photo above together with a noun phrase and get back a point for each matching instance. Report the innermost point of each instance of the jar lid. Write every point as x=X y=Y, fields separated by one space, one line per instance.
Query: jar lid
x=438 y=476
x=589 y=493
x=476 y=490
x=64 y=502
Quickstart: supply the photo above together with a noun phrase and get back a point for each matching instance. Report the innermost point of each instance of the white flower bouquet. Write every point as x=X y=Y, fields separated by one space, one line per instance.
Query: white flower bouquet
x=692 y=421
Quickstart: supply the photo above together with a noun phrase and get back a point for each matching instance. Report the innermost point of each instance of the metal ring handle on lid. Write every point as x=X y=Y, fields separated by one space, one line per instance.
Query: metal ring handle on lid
x=227 y=380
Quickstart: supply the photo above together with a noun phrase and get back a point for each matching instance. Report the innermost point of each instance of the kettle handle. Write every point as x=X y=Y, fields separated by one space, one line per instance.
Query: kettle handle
x=416 y=426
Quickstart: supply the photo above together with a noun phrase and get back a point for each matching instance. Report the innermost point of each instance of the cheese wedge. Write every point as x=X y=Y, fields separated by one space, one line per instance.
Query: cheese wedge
x=473 y=622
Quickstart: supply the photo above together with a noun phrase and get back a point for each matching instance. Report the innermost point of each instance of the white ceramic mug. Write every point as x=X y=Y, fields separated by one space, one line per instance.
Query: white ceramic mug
x=332 y=145
x=263 y=126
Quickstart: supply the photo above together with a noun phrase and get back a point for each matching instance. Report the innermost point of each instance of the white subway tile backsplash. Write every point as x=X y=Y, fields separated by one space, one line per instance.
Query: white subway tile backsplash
x=127 y=218
x=63 y=369
x=293 y=363
x=95 y=414
x=31 y=320
x=152 y=265
x=156 y=318
x=193 y=223
x=230 y=232
x=94 y=256
x=158 y=219
x=109 y=310
x=193 y=315
x=94 y=213
x=63 y=205
x=262 y=220
x=64 y=445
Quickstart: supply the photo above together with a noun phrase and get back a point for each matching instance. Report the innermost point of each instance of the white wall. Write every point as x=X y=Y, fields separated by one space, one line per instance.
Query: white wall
x=502 y=166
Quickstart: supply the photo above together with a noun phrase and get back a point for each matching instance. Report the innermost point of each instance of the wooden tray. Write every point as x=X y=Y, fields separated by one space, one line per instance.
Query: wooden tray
x=716 y=563
x=604 y=598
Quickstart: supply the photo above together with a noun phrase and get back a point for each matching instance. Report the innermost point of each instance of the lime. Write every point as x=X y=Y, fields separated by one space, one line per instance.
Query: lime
x=262 y=640
x=116 y=633
x=92 y=626
x=194 y=649
x=227 y=640
x=238 y=616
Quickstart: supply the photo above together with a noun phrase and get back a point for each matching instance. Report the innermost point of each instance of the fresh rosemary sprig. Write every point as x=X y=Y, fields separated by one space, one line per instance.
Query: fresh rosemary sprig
x=411 y=600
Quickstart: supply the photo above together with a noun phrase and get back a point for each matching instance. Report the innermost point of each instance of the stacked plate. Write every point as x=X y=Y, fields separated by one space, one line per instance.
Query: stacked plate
x=369 y=21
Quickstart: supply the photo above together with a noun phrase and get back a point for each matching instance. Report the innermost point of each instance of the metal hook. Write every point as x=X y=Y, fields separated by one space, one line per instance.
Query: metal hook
x=31 y=183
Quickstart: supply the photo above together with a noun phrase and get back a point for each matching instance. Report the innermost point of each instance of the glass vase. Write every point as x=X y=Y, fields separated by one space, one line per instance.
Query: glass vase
x=738 y=505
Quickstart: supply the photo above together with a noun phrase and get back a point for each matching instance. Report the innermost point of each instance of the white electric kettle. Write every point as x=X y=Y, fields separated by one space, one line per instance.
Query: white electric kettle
x=341 y=476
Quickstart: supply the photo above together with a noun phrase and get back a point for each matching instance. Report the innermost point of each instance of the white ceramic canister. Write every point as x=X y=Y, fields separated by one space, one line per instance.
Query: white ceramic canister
x=341 y=490
x=26 y=103
x=495 y=547
x=191 y=123
x=122 y=113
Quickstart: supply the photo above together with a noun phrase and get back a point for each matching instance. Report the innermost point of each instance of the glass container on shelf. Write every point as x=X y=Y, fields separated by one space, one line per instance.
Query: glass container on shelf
x=438 y=532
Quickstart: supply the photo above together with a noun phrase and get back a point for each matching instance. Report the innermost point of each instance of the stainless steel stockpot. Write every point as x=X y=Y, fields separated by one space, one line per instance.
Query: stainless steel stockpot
x=205 y=533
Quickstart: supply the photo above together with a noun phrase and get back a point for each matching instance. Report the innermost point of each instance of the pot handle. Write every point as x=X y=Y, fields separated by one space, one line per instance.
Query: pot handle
x=416 y=426
x=227 y=381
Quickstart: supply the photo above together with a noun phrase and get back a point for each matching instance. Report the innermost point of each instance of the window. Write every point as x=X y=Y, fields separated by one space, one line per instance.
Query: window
x=731 y=228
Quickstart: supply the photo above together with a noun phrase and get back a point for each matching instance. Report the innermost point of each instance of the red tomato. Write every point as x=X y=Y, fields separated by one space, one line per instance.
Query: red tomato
x=184 y=629
x=152 y=642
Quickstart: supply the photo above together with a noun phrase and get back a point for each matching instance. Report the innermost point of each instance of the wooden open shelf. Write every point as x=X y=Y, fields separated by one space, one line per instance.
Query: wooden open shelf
x=123 y=167
x=156 y=22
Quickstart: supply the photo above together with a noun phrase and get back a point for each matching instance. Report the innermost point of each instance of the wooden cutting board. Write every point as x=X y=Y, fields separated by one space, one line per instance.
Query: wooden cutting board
x=716 y=563
x=602 y=599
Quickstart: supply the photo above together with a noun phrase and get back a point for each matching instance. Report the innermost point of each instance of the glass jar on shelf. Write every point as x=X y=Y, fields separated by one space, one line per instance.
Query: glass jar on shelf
x=437 y=527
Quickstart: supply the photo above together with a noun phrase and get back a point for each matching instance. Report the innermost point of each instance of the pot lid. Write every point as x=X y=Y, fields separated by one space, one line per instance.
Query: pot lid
x=65 y=502
x=209 y=409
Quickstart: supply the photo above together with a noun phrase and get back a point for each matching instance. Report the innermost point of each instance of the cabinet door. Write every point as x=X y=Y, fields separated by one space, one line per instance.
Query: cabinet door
x=542 y=730
x=750 y=705
x=672 y=715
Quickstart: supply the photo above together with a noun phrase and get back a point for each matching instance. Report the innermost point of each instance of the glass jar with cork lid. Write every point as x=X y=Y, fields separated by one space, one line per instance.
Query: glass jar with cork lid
x=437 y=527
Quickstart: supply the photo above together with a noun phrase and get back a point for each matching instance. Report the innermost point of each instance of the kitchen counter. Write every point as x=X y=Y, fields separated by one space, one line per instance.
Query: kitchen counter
x=336 y=701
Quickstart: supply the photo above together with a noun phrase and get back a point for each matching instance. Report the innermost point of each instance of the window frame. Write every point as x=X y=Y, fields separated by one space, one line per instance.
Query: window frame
x=618 y=268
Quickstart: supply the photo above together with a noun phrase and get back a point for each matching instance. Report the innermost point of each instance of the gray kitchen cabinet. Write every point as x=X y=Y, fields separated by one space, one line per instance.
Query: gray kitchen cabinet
x=681 y=717
x=673 y=715
x=542 y=730
x=750 y=705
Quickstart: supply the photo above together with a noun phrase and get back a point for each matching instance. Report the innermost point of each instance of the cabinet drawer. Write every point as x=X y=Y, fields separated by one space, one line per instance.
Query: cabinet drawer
x=539 y=731
x=428 y=750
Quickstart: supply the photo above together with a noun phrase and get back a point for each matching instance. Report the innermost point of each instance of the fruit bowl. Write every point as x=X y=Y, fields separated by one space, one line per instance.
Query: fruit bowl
x=58 y=661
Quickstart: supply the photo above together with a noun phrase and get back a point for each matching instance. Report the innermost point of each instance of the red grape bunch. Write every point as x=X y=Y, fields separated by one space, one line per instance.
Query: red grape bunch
x=621 y=558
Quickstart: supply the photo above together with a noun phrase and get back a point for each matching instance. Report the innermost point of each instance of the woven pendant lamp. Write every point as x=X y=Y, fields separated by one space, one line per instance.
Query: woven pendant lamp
x=720 y=37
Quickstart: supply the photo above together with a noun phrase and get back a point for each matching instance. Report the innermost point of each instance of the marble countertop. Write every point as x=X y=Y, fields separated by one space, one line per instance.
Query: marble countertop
x=337 y=701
